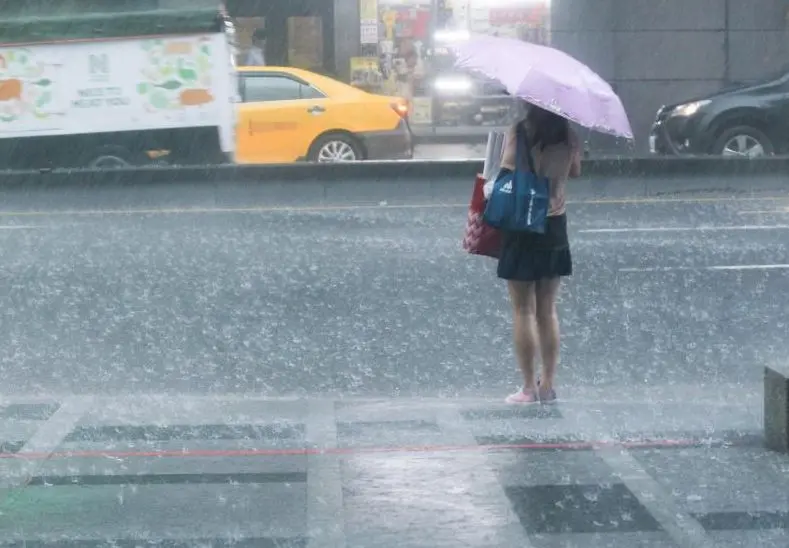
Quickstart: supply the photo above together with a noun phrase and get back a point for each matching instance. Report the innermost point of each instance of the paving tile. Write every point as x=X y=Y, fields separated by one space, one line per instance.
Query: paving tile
x=532 y=412
x=596 y=540
x=549 y=441
x=11 y=446
x=743 y=521
x=168 y=448
x=426 y=500
x=720 y=438
x=154 y=511
x=28 y=411
x=385 y=410
x=352 y=428
x=499 y=431
x=524 y=468
x=193 y=410
x=18 y=430
x=580 y=509
x=776 y=538
x=646 y=419
x=388 y=434
x=186 y=432
x=274 y=464
x=721 y=479
x=259 y=542
x=13 y=473
x=204 y=478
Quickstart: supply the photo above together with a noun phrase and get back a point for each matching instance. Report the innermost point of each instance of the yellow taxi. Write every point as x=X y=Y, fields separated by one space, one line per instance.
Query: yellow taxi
x=289 y=115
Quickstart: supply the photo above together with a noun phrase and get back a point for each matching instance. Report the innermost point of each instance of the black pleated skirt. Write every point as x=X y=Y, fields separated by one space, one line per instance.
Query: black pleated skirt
x=529 y=257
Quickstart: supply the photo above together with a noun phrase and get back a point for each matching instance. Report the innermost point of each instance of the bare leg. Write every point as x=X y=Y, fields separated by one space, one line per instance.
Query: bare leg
x=548 y=328
x=524 y=308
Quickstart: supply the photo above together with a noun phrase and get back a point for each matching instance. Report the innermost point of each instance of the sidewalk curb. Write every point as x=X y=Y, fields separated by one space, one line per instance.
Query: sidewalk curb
x=394 y=171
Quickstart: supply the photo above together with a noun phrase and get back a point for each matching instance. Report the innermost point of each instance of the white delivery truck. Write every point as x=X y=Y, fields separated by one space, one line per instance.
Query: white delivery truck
x=111 y=89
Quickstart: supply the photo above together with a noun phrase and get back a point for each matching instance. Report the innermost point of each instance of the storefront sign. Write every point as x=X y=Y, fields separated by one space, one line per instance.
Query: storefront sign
x=369 y=31
x=518 y=16
x=368 y=14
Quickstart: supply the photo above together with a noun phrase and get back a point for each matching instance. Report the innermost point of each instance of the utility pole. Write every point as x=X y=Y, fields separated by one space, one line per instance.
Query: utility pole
x=726 y=43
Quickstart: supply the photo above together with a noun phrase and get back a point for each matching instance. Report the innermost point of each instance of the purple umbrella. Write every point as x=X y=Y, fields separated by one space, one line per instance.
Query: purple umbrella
x=548 y=78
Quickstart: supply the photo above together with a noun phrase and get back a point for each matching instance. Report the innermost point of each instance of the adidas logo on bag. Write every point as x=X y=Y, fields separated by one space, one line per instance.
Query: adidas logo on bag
x=507 y=188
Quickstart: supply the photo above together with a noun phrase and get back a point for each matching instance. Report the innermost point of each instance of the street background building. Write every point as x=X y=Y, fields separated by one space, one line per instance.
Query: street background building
x=652 y=52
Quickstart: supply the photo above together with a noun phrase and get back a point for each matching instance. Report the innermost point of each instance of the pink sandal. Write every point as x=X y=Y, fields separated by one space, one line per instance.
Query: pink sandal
x=522 y=397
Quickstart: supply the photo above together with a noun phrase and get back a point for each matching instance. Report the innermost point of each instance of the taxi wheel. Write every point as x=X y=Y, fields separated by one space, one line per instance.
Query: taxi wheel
x=335 y=147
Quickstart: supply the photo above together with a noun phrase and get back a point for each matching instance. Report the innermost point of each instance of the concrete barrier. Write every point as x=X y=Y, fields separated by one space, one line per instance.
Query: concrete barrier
x=776 y=408
x=400 y=170
x=371 y=183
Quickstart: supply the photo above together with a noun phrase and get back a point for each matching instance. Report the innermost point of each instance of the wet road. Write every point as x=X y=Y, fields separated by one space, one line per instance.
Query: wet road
x=380 y=301
x=673 y=311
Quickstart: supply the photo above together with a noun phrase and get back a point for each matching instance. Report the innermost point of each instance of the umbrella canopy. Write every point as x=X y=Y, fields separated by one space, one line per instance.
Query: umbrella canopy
x=548 y=78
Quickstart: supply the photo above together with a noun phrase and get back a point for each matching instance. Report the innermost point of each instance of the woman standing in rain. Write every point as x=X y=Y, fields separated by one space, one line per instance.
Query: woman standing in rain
x=533 y=264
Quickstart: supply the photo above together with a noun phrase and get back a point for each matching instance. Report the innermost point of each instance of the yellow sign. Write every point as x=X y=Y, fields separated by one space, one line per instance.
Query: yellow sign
x=389 y=19
x=366 y=73
x=422 y=110
x=362 y=64
x=368 y=9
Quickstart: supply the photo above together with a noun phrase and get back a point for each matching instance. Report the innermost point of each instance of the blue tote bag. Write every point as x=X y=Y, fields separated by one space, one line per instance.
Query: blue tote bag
x=520 y=200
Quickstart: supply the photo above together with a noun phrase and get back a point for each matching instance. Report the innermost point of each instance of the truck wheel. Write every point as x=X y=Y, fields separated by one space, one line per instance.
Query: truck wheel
x=744 y=141
x=111 y=157
x=335 y=147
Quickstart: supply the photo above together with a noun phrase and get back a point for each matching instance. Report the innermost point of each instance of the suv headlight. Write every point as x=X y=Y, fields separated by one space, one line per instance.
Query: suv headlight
x=689 y=109
x=453 y=84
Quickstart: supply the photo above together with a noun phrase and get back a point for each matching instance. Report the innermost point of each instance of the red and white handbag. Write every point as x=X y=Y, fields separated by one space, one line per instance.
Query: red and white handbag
x=480 y=239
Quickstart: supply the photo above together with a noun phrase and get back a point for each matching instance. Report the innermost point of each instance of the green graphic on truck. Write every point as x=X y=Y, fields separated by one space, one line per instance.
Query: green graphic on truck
x=24 y=86
x=178 y=74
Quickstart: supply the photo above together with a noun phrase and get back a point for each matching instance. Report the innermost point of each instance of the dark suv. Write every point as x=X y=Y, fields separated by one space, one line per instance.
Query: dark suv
x=746 y=119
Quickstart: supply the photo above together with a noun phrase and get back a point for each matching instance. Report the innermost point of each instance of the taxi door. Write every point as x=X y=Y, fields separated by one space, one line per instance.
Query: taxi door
x=279 y=118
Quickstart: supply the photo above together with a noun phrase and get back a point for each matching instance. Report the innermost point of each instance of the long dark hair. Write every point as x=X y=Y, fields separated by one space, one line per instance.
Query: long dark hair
x=545 y=128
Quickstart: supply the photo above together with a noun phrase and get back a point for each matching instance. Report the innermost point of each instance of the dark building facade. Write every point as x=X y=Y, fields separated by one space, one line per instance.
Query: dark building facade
x=656 y=52
x=313 y=34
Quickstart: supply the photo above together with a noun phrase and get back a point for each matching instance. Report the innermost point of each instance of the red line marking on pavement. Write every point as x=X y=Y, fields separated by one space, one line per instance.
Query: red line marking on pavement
x=559 y=446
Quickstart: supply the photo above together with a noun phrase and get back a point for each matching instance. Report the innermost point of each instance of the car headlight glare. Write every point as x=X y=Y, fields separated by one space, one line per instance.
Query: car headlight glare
x=689 y=109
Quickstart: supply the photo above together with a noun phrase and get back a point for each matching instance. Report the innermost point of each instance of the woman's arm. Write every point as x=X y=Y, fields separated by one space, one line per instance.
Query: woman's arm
x=509 y=150
x=575 y=155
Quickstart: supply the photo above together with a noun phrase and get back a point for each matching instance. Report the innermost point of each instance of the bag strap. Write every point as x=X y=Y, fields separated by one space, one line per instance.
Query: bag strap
x=523 y=148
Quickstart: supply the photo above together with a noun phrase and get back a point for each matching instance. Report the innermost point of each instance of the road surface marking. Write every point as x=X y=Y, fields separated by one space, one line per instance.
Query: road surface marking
x=359 y=207
x=53 y=432
x=717 y=228
x=683 y=529
x=325 y=505
x=764 y=212
x=486 y=483
x=19 y=227
x=697 y=200
x=713 y=268
x=47 y=439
